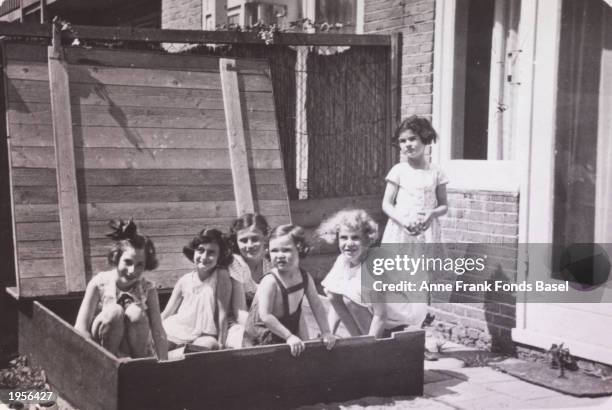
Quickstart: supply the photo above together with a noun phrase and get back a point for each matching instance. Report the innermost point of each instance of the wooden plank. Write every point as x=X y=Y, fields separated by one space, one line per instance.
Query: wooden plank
x=54 y=267
x=145 y=194
x=84 y=373
x=67 y=193
x=150 y=210
x=50 y=286
x=204 y=80
x=131 y=34
x=184 y=177
x=116 y=57
x=27 y=135
x=345 y=375
x=128 y=117
x=234 y=117
x=113 y=158
x=38 y=231
x=105 y=95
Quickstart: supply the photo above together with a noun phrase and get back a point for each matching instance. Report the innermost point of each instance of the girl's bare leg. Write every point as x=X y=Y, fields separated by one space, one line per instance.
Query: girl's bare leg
x=138 y=331
x=108 y=328
x=360 y=314
x=337 y=302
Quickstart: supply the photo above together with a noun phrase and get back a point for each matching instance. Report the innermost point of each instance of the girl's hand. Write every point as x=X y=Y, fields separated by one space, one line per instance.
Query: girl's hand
x=296 y=345
x=330 y=340
x=426 y=217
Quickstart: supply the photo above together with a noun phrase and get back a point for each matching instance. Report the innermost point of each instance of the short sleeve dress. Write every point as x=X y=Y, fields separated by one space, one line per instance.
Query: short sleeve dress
x=416 y=192
x=239 y=270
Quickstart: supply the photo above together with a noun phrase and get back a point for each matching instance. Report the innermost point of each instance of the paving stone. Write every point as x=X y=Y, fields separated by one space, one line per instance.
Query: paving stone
x=479 y=375
x=444 y=363
x=566 y=402
x=454 y=390
x=524 y=390
x=434 y=376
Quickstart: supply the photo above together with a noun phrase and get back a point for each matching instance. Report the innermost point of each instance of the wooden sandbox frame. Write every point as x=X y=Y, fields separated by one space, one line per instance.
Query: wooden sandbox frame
x=91 y=378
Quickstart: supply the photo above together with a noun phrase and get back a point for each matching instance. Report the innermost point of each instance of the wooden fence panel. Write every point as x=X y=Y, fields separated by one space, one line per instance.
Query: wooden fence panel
x=150 y=142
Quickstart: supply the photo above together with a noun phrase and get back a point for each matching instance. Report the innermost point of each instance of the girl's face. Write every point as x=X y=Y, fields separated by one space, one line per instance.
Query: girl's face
x=352 y=243
x=206 y=256
x=284 y=254
x=251 y=244
x=131 y=265
x=411 y=145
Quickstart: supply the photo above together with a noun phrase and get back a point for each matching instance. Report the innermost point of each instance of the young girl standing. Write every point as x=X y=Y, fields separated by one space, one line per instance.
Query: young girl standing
x=196 y=313
x=274 y=316
x=415 y=196
x=120 y=307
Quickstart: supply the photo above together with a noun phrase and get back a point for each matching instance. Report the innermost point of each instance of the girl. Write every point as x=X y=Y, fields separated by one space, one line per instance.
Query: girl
x=248 y=238
x=354 y=231
x=120 y=307
x=415 y=196
x=414 y=199
x=196 y=313
x=274 y=316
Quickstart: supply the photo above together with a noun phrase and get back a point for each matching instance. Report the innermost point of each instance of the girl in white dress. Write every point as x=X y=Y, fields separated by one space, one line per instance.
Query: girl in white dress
x=196 y=314
x=414 y=199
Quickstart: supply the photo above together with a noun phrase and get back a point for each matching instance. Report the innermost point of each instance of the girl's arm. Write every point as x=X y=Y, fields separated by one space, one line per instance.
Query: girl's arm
x=388 y=205
x=87 y=309
x=174 y=302
x=157 y=329
x=266 y=294
x=378 y=319
x=239 y=307
x=337 y=302
x=224 y=296
x=319 y=313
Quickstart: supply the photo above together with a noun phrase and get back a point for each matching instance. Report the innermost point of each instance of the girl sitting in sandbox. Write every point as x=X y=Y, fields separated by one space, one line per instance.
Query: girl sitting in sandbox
x=196 y=314
x=120 y=307
x=274 y=316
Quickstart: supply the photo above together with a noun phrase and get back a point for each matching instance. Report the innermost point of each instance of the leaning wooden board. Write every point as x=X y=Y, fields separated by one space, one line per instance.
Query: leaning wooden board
x=172 y=141
x=256 y=378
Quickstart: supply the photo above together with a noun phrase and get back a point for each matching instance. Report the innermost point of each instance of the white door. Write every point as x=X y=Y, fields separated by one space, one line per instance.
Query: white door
x=570 y=182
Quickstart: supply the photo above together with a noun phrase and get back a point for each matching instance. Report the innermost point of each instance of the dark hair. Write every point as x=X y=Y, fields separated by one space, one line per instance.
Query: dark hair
x=210 y=236
x=297 y=235
x=246 y=221
x=420 y=126
x=125 y=234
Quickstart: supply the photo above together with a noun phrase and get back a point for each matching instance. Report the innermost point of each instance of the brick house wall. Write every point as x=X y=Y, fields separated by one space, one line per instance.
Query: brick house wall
x=415 y=20
x=483 y=320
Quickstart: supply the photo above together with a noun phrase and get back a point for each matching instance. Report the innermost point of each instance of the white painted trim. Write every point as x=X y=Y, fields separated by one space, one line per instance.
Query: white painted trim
x=523 y=132
x=497 y=81
x=580 y=349
x=360 y=17
x=443 y=68
x=539 y=34
x=483 y=175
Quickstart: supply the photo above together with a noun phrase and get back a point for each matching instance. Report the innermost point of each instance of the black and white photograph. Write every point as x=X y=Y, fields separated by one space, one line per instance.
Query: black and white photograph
x=305 y=204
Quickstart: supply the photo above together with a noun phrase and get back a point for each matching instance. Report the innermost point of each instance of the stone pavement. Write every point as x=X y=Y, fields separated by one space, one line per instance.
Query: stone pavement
x=450 y=386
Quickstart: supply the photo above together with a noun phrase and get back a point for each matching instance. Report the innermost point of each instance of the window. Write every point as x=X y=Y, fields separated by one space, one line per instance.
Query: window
x=484 y=50
x=475 y=53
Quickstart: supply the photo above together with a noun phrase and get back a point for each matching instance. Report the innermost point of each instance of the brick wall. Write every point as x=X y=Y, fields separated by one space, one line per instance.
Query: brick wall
x=482 y=319
x=182 y=14
x=415 y=20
